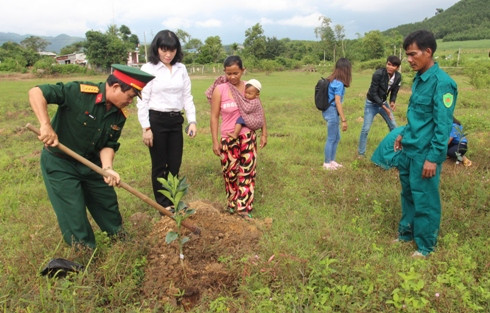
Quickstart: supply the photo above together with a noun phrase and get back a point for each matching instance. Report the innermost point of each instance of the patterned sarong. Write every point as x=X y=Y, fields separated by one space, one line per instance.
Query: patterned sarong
x=238 y=161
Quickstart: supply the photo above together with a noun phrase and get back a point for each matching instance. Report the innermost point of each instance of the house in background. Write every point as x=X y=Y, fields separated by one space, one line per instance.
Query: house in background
x=133 y=58
x=81 y=59
x=72 y=58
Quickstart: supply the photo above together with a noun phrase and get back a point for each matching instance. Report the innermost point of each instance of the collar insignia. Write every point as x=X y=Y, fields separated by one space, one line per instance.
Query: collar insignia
x=98 y=99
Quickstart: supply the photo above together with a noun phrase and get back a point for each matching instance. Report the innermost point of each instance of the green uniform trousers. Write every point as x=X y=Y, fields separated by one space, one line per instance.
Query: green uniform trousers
x=421 y=204
x=72 y=188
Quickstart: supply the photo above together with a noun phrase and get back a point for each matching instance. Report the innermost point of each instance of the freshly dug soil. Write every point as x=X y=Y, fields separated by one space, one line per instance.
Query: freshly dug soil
x=212 y=263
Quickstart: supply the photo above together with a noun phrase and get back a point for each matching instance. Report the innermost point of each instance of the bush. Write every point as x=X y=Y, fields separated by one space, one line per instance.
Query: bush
x=13 y=65
x=47 y=67
x=289 y=64
x=479 y=74
x=372 y=64
x=270 y=66
x=309 y=60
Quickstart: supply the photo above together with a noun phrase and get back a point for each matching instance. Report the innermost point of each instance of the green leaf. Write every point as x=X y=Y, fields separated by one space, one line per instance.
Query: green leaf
x=166 y=194
x=181 y=207
x=183 y=183
x=171 y=236
x=178 y=196
x=164 y=183
x=184 y=240
x=190 y=212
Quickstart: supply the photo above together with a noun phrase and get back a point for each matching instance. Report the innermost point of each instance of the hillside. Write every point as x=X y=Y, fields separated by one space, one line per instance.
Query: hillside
x=55 y=43
x=465 y=20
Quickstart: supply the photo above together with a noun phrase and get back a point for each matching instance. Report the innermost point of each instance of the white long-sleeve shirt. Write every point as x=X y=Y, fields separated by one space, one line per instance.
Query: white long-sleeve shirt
x=167 y=92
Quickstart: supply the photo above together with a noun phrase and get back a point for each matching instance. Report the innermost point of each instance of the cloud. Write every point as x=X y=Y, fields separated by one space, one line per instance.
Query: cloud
x=224 y=18
x=362 y=5
x=311 y=20
x=210 y=23
x=176 y=22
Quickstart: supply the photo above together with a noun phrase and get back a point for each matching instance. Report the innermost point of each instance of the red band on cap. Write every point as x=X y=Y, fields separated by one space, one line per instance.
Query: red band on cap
x=128 y=80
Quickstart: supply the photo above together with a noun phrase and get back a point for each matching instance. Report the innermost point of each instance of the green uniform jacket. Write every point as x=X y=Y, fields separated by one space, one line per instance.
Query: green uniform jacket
x=430 y=115
x=81 y=121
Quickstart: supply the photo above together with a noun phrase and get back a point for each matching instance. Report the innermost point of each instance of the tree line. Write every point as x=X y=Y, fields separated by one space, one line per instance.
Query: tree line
x=261 y=52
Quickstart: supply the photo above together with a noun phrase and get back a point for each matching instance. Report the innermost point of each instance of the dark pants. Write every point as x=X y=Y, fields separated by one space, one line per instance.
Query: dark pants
x=453 y=148
x=72 y=189
x=166 y=153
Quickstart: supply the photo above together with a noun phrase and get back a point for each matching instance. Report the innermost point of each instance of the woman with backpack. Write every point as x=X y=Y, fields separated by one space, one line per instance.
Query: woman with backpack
x=334 y=115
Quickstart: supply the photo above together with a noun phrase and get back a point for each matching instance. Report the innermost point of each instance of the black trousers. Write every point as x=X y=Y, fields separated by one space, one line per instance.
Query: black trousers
x=453 y=148
x=166 y=153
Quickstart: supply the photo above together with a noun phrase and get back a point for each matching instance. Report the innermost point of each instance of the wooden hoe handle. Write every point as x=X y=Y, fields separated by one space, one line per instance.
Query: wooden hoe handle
x=122 y=184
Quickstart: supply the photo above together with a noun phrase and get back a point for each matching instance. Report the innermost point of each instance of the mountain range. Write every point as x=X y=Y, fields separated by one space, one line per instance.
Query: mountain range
x=55 y=43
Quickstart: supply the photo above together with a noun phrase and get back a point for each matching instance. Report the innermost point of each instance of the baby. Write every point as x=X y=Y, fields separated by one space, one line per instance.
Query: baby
x=252 y=91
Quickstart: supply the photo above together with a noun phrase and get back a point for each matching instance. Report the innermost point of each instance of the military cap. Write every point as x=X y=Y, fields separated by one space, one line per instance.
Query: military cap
x=132 y=76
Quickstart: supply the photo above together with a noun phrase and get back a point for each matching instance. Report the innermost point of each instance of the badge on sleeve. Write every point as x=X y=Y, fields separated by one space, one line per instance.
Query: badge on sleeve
x=448 y=99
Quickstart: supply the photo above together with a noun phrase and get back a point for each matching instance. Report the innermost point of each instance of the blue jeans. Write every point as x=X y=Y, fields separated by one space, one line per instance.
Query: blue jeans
x=333 y=133
x=370 y=111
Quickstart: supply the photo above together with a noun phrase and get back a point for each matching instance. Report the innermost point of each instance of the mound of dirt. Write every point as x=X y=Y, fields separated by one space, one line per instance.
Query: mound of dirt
x=212 y=260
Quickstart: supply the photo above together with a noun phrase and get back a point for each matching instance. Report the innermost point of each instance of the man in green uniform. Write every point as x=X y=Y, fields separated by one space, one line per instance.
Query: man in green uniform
x=424 y=143
x=89 y=120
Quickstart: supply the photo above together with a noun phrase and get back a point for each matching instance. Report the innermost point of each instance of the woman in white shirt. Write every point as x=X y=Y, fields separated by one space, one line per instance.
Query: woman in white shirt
x=160 y=109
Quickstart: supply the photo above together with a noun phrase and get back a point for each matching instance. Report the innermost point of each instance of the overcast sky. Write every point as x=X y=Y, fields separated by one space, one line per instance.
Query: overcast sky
x=228 y=19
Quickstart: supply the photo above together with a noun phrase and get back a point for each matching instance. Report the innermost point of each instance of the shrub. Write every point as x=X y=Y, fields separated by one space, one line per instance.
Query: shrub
x=270 y=66
x=47 y=66
x=309 y=60
x=289 y=64
x=372 y=64
x=13 y=64
x=479 y=74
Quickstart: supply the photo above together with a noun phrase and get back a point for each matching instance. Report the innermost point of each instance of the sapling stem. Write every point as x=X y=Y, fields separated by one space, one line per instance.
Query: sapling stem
x=175 y=190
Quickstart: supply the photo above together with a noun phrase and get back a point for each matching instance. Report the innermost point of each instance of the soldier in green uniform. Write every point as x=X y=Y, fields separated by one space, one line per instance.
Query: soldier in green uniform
x=423 y=143
x=89 y=120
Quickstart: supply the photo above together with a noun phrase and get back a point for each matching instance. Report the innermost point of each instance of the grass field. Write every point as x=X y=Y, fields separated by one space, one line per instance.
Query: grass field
x=483 y=45
x=331 y=232
x=474 y=50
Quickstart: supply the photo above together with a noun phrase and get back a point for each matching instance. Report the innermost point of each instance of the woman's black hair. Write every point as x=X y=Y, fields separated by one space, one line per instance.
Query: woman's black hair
x=167 y=40
x=455 y=120
x=233 y=60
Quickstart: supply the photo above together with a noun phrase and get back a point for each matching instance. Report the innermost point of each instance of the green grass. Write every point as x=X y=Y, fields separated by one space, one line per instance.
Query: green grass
x=465 y=45
x=331 y=231
x=469 y=50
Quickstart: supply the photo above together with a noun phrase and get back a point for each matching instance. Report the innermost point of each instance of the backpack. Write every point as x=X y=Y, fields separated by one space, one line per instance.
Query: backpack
x=321 y=94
